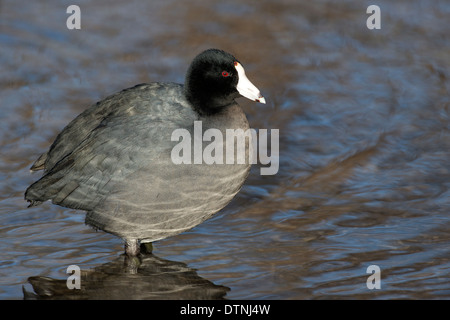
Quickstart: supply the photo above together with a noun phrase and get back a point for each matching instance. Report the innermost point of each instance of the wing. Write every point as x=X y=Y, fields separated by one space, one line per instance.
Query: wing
x=122 y=143
x=80 y=127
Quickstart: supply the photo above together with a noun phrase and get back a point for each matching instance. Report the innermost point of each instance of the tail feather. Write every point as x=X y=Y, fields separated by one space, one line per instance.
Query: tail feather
x=33 y=203
x=39 y=164
x=40 y=191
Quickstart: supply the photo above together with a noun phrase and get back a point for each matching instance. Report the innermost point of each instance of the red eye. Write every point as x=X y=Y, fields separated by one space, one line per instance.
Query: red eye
x=225 y=74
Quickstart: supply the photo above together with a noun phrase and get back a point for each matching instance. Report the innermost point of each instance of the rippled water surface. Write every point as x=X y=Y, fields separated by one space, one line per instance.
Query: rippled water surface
x=364 y=120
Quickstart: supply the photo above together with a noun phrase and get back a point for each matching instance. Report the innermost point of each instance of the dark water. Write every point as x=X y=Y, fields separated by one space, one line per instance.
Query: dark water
x=364 y=120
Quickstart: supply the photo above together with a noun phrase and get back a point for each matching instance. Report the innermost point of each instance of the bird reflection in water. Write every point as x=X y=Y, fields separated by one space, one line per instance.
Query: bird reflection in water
x=143 y=277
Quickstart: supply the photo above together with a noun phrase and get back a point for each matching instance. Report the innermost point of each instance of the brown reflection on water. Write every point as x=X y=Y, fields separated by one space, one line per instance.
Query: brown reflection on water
x=364 y=140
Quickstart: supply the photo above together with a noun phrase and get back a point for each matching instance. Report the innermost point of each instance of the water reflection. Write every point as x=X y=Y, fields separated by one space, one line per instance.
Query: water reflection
x=124 y=279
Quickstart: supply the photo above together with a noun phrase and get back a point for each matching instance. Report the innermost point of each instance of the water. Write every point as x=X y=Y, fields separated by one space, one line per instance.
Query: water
x=364 y=171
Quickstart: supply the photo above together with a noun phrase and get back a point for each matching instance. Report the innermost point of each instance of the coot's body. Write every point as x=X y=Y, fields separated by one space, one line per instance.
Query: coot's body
x=114 y=160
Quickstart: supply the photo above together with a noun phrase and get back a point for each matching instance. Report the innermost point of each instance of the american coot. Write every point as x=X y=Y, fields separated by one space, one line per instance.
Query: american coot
x=114 y=160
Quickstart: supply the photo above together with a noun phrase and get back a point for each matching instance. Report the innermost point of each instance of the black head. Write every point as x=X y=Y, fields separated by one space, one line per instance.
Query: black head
x=214 y=79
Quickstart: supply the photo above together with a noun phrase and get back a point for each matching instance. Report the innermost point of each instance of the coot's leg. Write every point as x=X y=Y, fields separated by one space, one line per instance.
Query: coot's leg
x=131 y=247
x=132 y=256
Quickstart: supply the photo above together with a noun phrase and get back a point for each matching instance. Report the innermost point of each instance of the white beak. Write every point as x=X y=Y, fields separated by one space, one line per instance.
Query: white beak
x=245 y=87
